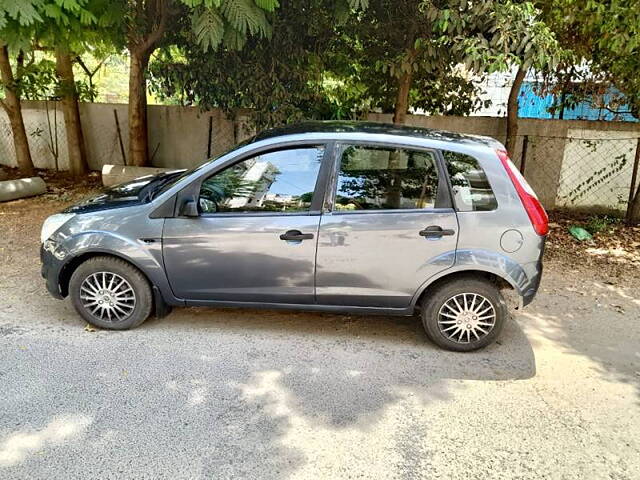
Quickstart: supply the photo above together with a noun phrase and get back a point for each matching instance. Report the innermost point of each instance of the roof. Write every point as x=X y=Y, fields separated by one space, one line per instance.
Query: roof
x=341 y=127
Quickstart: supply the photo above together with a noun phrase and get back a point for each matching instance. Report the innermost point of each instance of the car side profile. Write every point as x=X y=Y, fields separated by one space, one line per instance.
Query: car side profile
x=332 y=216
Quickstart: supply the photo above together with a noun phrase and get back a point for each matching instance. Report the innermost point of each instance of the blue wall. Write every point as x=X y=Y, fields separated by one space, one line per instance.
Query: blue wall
x=534 y=106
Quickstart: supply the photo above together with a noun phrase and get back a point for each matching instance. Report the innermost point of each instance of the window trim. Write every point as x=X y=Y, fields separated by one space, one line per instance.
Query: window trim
x=444 y=202
x=193 y=189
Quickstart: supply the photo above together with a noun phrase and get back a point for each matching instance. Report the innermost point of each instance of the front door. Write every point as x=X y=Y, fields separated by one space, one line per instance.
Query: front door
x=255 y=238
x=390 y=227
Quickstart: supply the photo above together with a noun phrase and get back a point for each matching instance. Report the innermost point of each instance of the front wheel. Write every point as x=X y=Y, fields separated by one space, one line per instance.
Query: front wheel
x=464 y=314
x=110 y=293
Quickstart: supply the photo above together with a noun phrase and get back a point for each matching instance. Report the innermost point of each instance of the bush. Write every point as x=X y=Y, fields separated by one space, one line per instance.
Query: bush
x=599 y=223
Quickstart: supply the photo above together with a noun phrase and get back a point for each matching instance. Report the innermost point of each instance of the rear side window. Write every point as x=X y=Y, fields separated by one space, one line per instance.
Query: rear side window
x=471 y=189
x=381 y=178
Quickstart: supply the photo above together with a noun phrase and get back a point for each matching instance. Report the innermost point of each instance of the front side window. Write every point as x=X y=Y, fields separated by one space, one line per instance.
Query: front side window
x=280 y=181
x=382 y=178
x=471 y=189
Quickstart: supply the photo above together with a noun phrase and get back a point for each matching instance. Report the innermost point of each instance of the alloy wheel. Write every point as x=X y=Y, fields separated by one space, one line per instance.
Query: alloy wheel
x=466 y=317
x=107 y=296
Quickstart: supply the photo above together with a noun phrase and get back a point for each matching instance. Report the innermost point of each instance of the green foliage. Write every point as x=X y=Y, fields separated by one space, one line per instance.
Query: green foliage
x=328 y=59
x=518 y=36
x=600 y=223
x=208 y=27
x=283 y=79
x=229 y=22
x=604 y=35
x=37 y=80
x=23 y=12
x=428 y=40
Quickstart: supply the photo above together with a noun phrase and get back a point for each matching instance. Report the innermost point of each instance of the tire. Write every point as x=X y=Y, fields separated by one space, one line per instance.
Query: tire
x=463 y=331
x=124 y=313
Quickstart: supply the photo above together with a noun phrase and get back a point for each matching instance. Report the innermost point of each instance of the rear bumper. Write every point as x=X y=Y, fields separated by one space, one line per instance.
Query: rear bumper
x=534 y=279
x=50 y=271
x=531 y=291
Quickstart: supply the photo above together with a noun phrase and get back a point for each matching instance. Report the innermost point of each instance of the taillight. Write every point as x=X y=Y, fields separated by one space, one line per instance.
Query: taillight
x=535 y=210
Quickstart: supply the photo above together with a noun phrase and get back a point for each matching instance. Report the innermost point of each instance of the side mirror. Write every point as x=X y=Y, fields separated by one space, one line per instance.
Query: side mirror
x=189 y=208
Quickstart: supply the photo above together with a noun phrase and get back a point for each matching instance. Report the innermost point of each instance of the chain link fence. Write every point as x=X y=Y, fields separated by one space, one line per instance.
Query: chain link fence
x=589 y=170
x=45 y=132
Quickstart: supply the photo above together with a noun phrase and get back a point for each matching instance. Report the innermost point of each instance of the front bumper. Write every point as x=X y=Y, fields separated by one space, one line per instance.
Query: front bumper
x=51 y=269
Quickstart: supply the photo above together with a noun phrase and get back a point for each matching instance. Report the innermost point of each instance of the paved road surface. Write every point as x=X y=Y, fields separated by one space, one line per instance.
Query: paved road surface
x=213 y=393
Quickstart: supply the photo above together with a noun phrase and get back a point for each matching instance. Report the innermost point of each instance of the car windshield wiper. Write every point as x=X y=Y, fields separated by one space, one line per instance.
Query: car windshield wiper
x=156 y=185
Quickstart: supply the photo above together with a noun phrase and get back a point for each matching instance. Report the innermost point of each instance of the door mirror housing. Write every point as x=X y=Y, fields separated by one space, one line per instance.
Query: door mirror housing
x=189 y=208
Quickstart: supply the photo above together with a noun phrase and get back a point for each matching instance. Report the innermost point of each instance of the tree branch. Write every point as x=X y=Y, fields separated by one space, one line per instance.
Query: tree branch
x=83 y=66
x=617 y=112
x=156 y=34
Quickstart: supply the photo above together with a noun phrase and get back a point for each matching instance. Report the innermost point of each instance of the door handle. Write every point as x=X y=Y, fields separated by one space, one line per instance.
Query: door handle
x=296 y=236
x=435 y=231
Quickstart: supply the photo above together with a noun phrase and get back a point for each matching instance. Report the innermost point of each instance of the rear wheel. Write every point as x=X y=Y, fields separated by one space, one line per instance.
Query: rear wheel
x=464 y=314
x=110 y=293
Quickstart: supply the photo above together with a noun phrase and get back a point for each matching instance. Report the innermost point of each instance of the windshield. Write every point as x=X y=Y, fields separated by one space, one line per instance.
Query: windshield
x=174 y=180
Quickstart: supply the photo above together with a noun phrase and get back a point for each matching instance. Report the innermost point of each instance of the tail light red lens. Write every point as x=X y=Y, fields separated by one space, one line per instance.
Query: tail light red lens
x=535 y=210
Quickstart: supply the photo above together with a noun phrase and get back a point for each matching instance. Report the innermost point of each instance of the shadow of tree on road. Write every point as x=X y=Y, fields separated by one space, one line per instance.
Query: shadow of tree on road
x=595 y=320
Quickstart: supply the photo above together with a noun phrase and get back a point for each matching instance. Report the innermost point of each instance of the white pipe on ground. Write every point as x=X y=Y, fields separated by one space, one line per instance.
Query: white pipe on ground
x=23 y=187
x=115 y=174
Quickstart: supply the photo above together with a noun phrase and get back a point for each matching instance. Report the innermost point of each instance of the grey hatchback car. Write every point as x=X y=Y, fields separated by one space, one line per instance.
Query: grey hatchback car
x=331 y=216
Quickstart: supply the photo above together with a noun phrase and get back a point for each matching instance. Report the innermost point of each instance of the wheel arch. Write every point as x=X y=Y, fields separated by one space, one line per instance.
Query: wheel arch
x=499 y=278
x=71 y=266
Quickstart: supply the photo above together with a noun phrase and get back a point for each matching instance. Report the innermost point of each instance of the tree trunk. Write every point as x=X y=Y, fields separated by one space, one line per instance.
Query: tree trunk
x=138 y=137
x=633 y=216
x=402 y=99
x=512 y=111
x=394 y=195
x=11 y=104
x=75 y=138
x=633 y=209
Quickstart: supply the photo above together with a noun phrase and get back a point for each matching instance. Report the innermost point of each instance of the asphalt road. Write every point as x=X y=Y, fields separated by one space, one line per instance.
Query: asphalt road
x=212 y=393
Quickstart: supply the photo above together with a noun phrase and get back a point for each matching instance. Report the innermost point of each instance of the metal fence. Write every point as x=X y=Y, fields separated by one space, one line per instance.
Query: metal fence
x=581 y=171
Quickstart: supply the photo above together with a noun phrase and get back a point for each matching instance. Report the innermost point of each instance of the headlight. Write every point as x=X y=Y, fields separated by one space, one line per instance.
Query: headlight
x=53 y=223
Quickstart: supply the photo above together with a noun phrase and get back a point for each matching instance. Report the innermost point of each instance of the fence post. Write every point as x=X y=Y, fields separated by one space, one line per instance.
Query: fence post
x=124 y=156
x=523 y=158
x=210 y=134
x=634 y=178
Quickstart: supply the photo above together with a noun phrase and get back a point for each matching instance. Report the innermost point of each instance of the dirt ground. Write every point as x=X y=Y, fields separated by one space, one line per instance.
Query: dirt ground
x=318 y=395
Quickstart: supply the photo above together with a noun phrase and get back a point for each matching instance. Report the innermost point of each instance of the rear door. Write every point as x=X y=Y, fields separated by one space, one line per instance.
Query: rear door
x=388 y=226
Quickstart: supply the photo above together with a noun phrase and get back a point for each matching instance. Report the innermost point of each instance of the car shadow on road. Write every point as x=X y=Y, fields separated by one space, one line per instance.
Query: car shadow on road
x=389 y=338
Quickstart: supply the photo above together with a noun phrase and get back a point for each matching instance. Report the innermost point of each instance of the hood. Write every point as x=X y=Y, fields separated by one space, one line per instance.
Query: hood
x=135 y=192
